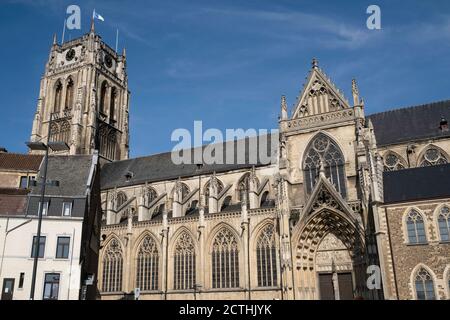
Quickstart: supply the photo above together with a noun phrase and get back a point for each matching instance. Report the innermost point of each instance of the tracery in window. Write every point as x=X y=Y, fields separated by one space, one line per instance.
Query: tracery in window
x=416 y=228
x=433 y=157
x=184 y=263
x=424 y=285
x=323 y=151
x=266 y=258
x=147 y=265
x=112 y=267
x=225 y=260
x=392 y=162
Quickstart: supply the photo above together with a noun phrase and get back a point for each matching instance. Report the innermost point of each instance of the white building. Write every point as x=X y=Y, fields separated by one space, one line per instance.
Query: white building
x=69 y=236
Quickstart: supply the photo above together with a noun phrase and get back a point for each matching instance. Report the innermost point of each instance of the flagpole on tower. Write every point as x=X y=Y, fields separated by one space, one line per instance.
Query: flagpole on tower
x=64 y=31
x=117 y=40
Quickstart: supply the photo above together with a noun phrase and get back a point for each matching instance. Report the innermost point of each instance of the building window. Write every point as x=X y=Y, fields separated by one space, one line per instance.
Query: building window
x=266 y=258
x=107 y=141
x=23 y=182
x=58 y=96
x=63 y=248
x=51 y=286
x=41 y=246
x=60 y=131
x=67 y=209
x=424 y=285
x=225 y=260
x=184 y=263
x=416 y=228
x=112 y=267
x=103 y=90
x=112 y=106
x=21 y=280
x=44 y=209
x=69 y=95
x=393 y=162
x=323 y=152
x=147 y=265
x=444 y=224
x=433 y=157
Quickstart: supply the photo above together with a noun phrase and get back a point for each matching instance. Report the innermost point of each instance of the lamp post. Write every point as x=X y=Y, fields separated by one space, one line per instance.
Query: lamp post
x=40 y=146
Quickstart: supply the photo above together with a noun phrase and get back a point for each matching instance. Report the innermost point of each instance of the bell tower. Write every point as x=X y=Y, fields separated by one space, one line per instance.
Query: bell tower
x=84 y=98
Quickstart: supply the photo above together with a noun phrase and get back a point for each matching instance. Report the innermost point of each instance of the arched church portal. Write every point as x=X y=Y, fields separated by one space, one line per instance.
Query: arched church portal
x=329 y=257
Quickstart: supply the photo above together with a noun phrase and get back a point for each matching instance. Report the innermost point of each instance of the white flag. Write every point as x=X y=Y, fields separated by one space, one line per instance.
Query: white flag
x=97 y=16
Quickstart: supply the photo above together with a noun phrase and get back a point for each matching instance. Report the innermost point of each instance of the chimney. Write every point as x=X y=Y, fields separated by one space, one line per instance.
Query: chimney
x=443 y=125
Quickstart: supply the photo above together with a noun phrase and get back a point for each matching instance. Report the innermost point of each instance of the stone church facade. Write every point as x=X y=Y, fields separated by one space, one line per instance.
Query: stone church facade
x=307 y=226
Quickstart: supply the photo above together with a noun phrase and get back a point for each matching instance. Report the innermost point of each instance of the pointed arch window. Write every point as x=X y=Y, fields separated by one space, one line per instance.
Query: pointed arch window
x=184 y=263
x=58 y=97
x=103 y=92
x=64 y=133
x=444 y=223
x=107 y=142
x=416 y=228
x=112 y=267
x=393 y=162
x=424 y=285
x=266 y=258
x=60 y=131
x=69 y=95
x=433 y=157
x=112 y=106
x=54 y=131
x=324 y=151
x=225 y=260
x=147 y=263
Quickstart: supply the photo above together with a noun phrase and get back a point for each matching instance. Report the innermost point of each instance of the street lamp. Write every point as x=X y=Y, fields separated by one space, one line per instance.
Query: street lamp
x=40 y=146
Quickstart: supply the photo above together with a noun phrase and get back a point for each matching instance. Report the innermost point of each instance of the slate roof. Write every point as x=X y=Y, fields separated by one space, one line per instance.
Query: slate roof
x=417 y=184
x=20 y=162
x=72 y=172
x=409 y=124
x=160 y=167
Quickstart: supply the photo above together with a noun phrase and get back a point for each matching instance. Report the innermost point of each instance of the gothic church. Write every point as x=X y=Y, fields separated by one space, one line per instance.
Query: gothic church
x=340 y=199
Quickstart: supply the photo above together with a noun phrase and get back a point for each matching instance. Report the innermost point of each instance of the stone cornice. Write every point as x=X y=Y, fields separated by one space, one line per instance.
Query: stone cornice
x=317 y=121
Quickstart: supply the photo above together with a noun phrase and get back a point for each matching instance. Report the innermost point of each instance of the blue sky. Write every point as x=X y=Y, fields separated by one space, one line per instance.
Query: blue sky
x=228 y=62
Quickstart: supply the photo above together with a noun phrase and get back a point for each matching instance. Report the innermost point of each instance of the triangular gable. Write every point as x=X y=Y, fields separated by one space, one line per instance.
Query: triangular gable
x=319 y=96
x=325 y=195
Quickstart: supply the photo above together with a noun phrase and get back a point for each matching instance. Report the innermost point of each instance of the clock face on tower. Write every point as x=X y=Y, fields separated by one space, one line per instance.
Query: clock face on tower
x=108 y=61
x=70 y=55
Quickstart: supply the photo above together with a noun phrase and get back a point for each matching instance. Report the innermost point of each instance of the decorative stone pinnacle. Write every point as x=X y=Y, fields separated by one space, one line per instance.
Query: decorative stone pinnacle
x=355 y=93
x=315 y=63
